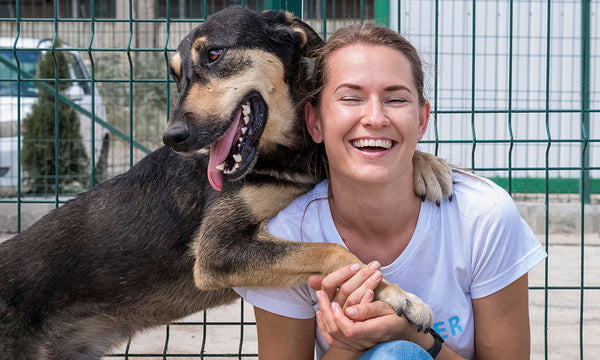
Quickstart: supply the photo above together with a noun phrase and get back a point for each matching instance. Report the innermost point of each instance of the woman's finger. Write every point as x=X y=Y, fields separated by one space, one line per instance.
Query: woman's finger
x=368 y=297
x=330 y=283
x=369 y=310
x=315 y=281
x=354 y=336
x=355 y=286
x=327 y=324
x=357 y=294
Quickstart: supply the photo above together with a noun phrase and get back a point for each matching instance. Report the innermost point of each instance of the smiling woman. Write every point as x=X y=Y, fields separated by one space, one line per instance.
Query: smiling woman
x=467 y=258
x=374 y=118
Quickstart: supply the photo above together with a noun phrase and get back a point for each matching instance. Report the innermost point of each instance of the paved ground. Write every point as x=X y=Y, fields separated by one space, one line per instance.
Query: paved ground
x=568 y=317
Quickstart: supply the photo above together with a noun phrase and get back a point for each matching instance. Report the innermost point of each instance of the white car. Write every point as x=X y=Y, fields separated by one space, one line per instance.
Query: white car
x=80 y=93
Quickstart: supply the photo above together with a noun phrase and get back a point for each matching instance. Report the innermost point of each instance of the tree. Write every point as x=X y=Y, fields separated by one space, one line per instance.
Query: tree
x=39 y=133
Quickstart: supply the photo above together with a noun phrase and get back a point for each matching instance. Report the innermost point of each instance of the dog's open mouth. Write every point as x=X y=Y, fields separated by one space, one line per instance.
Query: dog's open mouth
x=233 y=154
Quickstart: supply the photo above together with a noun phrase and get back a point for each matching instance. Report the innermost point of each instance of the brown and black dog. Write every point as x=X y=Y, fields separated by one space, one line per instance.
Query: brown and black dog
x=159 y=243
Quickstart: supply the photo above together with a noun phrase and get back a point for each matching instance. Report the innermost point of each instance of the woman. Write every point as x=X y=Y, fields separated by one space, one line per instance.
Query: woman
x=467 y=258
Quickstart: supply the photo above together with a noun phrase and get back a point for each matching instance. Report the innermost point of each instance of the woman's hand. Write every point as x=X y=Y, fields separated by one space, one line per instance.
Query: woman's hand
x=349 y=285
x=349 y=319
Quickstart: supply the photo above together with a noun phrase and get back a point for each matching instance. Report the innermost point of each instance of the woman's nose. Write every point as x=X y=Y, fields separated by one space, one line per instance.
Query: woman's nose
x=375 y=115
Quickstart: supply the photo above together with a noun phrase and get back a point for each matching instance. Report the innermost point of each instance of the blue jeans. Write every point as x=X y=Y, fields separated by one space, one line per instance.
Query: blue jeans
x=394 y=350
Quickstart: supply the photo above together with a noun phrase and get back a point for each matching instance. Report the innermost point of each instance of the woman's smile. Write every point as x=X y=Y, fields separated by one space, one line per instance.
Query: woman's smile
x=372 y=144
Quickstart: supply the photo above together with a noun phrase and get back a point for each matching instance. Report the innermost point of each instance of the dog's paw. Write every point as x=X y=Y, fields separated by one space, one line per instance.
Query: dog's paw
x=432 y=177
x=417 y=312
x=407 y=304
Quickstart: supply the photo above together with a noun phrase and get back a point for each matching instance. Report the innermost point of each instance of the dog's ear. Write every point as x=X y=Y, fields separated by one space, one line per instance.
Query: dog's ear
x=175 y=68
x=284 y=27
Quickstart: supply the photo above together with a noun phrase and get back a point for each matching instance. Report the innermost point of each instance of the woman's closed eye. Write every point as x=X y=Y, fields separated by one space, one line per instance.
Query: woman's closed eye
x=350 y=99
x=396 y=101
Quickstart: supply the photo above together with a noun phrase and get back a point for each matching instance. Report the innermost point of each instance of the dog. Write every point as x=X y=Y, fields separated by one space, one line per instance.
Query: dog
x=175 y=233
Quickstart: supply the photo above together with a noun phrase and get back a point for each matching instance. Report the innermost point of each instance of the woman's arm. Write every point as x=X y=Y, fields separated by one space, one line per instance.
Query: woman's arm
x=298 y=334
x=284 y=338
x=502 y=323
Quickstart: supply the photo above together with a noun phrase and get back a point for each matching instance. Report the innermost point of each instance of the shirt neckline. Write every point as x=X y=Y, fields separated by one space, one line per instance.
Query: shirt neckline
x=417 y=240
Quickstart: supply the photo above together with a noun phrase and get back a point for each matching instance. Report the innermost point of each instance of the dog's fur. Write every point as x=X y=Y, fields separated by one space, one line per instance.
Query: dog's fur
x=158 y=243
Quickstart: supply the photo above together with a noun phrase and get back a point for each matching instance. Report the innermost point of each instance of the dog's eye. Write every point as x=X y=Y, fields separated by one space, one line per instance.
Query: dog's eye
x=214 y=55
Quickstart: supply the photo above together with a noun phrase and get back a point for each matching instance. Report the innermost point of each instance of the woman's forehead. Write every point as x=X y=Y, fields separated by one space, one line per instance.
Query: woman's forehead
x=360 y=60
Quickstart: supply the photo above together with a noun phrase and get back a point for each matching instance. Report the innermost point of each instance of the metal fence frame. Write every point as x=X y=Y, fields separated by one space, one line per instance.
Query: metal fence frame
x=393 y=14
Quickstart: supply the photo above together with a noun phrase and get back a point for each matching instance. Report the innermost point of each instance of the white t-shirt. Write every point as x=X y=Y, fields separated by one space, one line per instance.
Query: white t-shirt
x=464 y=249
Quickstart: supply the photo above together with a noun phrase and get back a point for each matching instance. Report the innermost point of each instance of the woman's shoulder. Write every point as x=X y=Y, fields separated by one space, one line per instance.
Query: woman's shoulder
x=476 y=195
x=305 y=210
x=302 y=202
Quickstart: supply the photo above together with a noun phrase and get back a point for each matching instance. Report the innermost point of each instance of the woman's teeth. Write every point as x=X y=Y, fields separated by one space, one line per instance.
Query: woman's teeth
x=372 y=143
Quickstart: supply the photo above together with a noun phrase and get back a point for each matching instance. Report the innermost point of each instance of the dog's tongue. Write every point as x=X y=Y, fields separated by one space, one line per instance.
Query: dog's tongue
x=219 y=151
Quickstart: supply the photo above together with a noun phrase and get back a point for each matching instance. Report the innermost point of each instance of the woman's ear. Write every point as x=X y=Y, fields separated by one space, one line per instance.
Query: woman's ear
x=313 y=123
x=424 y=112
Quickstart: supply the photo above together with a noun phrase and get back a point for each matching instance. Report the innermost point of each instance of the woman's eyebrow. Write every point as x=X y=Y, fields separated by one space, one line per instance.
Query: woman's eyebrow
x=396 y=88
x=386 y=89
x=348 y=85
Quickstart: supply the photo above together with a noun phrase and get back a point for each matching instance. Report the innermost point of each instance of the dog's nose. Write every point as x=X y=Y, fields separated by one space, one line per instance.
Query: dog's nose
x=176 y=136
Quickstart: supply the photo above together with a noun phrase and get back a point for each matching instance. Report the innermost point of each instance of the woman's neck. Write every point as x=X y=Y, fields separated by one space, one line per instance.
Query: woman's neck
x=375 y=221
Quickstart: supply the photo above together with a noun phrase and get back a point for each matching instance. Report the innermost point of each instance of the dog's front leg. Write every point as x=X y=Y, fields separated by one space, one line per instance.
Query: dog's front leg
x=273 y=262
x=233 y=249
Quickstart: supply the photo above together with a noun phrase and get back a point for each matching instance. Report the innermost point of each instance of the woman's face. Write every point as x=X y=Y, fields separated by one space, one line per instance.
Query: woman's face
x=369 y=116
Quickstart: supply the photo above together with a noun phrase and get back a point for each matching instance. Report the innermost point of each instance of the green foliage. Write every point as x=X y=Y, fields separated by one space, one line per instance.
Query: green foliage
x=39 y=134
x=145 y=103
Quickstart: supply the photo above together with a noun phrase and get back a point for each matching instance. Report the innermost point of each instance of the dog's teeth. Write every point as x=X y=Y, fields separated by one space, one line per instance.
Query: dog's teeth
x=246 y=120
x=246 y=110
x=244 y=129
x=237 y=158
x=220 y=167
x=241 y=139
x=237 y=166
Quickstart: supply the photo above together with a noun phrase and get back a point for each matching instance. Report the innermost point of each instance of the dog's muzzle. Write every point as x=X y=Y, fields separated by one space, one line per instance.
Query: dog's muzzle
x=176 y=136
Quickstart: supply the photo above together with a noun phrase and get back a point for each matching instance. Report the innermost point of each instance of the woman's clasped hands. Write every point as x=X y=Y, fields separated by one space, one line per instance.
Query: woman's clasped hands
x=349 y=318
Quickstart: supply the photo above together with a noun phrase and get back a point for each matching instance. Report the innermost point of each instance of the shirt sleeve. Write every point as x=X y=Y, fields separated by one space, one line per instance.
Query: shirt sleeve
x=504 y=247
x=296 y=302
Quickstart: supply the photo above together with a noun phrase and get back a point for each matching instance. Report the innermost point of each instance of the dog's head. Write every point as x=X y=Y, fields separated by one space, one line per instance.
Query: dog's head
x=240 y=76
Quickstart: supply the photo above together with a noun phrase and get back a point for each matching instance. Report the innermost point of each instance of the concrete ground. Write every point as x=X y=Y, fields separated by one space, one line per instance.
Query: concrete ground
x=568 y=313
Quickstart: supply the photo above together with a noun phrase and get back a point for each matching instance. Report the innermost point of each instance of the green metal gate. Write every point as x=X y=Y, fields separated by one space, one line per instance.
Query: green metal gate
x=514 y=92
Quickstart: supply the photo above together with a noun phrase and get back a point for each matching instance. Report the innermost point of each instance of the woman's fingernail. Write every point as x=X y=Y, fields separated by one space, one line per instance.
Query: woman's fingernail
x=378 y=275
x=351 y=312
x=355 y=267
x=336 y=307
x=374 y=266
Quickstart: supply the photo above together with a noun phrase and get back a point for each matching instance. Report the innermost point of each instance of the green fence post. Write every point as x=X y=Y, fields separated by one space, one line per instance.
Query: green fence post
x=268 y=4
x=382 y=12
x=585 y=101
x=19 y=170
x=295 y=7
x=93 y=86
x=585 y=151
